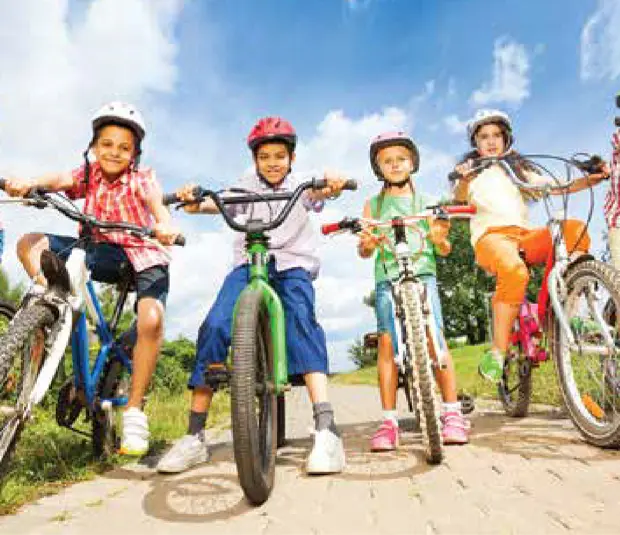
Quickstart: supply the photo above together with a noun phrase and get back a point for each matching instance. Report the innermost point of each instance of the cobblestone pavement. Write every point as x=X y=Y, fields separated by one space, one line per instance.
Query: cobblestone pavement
x=533 y=475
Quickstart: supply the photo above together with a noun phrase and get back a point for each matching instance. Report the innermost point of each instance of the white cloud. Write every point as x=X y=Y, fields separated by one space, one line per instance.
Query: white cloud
x=510 y=82
x=454 y=124
x=600 y=43
x=54 y=75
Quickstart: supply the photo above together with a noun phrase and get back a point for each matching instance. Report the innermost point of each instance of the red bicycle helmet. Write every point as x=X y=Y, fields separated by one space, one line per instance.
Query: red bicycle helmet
x=389 y=139
x=272 y=129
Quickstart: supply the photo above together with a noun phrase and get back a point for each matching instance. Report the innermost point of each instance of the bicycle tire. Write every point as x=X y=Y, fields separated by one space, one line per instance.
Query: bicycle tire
x=14 y=345
x=103 y=429
x=516 y=398
x=254 y=435
x=594 y=432
x=417 y=345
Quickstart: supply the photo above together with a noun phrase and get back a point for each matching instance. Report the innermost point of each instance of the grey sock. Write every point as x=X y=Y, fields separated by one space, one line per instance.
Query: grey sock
x=324 y=417
x=197 y=422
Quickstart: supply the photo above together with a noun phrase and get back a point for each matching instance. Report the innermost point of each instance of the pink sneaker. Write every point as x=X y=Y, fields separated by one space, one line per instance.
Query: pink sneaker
x=455 y=428
x=386 y=437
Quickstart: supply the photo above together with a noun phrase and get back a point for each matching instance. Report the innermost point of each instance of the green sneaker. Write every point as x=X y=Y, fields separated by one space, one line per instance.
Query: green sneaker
x=490 y=367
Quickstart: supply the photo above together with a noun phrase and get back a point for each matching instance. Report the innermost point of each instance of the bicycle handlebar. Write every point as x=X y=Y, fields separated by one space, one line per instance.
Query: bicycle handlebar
x=590 y=165
x=355 y=224
x=247 y=197
x=42 y=199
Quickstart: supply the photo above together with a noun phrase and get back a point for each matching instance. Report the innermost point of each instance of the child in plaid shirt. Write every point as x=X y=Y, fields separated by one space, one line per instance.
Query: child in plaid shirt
x=115 y=189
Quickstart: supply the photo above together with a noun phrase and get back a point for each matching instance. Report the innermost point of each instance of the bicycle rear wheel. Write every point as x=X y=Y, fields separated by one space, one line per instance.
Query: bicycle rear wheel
x=253 y=399
x=515 y=387
x=423 y=381
x=22 y=351
x=589 y=372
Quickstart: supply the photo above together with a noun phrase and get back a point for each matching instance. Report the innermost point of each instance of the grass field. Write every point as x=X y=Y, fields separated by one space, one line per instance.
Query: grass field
x=466 y=362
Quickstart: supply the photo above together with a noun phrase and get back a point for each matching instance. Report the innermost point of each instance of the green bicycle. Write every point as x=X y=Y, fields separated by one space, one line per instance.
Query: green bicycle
x=257 y=373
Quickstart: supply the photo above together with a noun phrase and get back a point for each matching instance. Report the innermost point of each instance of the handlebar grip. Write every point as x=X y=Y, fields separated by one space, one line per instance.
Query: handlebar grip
x=350 y=185
x=319 y=183
x=170 y=198
x=618 y=100
x=464 y=209
x=454 y=176
x=329 y=228
x=180 y=240
x=2 y=183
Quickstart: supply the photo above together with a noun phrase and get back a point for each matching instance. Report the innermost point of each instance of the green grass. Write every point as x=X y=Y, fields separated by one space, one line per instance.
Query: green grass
x=545 y=389
x=49 y=458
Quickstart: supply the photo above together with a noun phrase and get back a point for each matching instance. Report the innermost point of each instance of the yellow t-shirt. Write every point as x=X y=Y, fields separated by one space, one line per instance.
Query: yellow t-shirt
x=498 y=201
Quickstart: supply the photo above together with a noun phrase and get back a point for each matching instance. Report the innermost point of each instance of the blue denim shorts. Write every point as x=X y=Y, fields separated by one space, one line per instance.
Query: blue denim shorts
x=108 y=262
x=384 y=308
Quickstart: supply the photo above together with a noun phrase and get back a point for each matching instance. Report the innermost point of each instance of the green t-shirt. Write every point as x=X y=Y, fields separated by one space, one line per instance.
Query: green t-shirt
x=386 y=265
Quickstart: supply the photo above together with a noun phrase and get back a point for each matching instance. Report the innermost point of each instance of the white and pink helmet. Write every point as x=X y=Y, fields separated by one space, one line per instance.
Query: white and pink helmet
x=389 y=139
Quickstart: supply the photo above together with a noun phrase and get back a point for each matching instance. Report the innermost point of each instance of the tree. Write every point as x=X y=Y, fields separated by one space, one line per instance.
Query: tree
x=9 y=292
x=464 y=288
x=362 y=355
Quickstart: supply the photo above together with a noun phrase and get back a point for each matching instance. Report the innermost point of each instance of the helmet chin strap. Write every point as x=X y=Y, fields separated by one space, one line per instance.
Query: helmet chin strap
x=387 y=184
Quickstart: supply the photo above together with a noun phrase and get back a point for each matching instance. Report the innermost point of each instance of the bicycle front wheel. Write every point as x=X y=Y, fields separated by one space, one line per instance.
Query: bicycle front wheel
x=253 y=399
x=22 y=351
x=589 y=371
x=423 y=382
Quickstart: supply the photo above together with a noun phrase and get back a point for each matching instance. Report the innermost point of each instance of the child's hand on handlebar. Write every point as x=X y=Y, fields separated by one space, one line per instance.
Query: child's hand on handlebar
x=335 y=184
x=19 y=187
x=186 y=194
x=369 y=241
x=165 y=233
x=602 y=173
x=465 y=169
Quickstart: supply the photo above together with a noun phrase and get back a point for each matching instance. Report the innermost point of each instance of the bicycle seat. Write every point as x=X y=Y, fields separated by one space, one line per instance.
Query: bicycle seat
x=55 y=272
x=127 y=275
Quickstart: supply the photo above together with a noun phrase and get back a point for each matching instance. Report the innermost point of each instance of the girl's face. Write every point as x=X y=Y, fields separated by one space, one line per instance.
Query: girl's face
x=490 y=140
x=395 y=163
x=273 y=161
x=115 y=149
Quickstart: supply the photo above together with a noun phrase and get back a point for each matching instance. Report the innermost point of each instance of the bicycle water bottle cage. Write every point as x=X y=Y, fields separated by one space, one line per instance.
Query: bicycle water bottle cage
x=55 y=271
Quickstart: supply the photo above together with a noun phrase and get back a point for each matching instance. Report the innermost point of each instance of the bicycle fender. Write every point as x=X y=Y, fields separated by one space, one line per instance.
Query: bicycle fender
x=62 y=330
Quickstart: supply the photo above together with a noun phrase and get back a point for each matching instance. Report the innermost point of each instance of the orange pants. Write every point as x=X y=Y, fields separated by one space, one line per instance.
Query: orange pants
x=497 y=252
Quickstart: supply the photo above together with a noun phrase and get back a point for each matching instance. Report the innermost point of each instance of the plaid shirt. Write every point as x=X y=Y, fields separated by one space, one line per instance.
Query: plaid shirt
x=612 y=200
x=123 y=200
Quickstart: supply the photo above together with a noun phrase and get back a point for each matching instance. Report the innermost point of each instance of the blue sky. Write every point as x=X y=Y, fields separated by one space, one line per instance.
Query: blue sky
x=342 y=71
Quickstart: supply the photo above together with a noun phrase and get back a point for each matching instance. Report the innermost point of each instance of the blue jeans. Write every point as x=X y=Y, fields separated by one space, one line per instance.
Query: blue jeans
x=306 y=349
x=384 y=308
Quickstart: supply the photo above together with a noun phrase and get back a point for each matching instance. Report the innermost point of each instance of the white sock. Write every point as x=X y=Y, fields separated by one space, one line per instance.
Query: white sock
x=452 y=407
x=391 y=415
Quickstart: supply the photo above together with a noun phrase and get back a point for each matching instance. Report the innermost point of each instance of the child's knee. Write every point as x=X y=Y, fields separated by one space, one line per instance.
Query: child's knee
x=512 y=282
x=27 y=242
x=151 y=320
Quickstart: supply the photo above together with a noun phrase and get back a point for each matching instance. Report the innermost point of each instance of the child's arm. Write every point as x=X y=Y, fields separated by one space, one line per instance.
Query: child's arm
x=20 y=187
x=460 y=190
x=579 y=184
x=438 y=235
x=368 y=241
x=164 y=230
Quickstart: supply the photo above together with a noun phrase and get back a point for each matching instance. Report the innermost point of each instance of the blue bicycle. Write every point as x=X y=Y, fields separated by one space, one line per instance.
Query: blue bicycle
x=35 y=342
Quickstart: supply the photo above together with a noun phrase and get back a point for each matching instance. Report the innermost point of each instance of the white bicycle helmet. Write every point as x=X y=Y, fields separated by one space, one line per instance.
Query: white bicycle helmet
x=120 y=113
x=487 y=116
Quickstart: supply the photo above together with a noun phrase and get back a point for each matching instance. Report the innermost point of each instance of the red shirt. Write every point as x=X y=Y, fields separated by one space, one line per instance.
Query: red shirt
x=612 y=200
x=123 y=200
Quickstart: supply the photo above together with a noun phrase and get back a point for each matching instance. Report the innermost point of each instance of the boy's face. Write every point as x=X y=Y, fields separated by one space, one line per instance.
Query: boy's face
x=115 y=149
x=490 y=140
x=395 y=163
x=273 y=161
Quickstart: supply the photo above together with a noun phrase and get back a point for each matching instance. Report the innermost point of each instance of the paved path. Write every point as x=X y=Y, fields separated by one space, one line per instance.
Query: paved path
x=517 y=476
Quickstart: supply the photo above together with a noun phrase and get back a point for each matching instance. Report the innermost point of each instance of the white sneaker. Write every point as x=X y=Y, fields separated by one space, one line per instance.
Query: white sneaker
x=135 y=439
x=327 y=455
x=187 y=452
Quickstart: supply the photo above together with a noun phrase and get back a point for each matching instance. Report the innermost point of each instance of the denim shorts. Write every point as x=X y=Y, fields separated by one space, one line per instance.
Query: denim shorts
x=384 y=308
x=109 y=263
